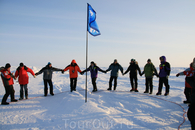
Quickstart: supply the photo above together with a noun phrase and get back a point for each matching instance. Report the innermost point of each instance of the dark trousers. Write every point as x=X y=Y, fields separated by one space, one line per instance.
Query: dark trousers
x=9 y=90
x=73 y=84
x=46 y=88
x=149 y=84
x=188 y=93
x=22 y=89
x=115 y=82
x=94 y=83
x=163 y=80
x=191 y=116
x=133 y=81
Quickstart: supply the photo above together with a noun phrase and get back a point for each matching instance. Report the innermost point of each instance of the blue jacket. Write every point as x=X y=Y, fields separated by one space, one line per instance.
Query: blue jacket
x=94 y=71
x=114 y=69
x=165 y=68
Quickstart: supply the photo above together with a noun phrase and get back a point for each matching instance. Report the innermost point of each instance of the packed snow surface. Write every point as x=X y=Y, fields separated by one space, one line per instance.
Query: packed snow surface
x=104 y=109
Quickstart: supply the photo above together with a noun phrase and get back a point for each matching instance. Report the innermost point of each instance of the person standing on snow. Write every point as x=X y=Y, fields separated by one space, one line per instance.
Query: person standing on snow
x=47 y=76
x=133 y=68
x=73 y=73
x=21 y=71
x=7 y=78
x=93 y=68
x=191 y=109
x=149 y=71
x=188 y=82
x=164 y=73
x=114 y=67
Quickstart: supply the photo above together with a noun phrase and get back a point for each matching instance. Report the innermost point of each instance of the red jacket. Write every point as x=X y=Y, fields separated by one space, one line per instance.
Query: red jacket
x=189 y=72
x=7 y=77
x=23 y=76
x=73 y=69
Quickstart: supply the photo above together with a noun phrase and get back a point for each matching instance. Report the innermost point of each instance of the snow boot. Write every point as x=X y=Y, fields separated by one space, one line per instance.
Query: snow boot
x=132 y=90
x=14 y=100
x=136 y=90
x=4 y=103
x=186 y=102
x=95 y=90
x=158 y=93
x=166 y=94
x=146 y=92
x=109 y=89
x=150 y=93
x=20 y=98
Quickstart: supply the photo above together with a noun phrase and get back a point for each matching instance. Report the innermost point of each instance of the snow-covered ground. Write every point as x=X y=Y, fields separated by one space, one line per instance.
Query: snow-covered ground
x=104 y=110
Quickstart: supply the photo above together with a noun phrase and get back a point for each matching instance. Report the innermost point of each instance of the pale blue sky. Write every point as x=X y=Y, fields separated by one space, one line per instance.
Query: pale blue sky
x=38 y=31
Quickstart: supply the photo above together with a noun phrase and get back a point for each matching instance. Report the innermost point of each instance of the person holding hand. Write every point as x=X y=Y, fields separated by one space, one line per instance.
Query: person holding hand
x=93 y=68
x=73 y=74
x=21 y=73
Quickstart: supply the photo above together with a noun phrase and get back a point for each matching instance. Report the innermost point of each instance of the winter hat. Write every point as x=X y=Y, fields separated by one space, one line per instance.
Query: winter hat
x=21 y=64
x=92 y=62
x=49 y=63
x=193 y=64
x=149 y=60
x=73 y=61
x=164 y=58
x=133 y=60
x=7 y=66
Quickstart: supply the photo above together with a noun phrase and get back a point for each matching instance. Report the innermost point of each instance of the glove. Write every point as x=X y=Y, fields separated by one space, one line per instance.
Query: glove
x=157 y=75
x=82 y=73
x=62 y=71
x=167 y=76
x=34 y=76
x=177 y=75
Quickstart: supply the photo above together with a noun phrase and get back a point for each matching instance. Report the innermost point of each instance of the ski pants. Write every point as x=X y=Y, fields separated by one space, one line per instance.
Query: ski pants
x=73 y=84
x=46 y=88
x=191 y=116
x=115 y=82
x=188 y=93
x=163 y=80
x=149 y=84
x=22 y=89
x=9 y=90
x=133 y=81
x=94 y=83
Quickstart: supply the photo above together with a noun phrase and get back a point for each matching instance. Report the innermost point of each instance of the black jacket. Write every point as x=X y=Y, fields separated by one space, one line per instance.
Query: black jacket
x=133 y=68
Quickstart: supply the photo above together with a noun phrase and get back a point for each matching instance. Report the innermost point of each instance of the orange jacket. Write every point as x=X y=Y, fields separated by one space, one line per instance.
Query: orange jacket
x=73 y=69
x=23 y=76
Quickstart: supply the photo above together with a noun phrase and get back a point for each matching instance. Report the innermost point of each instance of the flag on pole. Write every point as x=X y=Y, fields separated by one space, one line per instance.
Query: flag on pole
x=92 y=26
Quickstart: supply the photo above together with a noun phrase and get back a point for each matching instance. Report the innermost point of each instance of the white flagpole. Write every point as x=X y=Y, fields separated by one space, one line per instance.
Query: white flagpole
x=86 y=54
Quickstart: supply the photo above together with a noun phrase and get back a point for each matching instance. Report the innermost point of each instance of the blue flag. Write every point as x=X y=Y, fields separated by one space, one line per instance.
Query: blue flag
x=92 y=27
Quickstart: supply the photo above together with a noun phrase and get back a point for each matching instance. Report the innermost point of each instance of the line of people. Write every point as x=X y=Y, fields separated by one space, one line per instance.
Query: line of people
x=23 y=78
x=149 y=71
